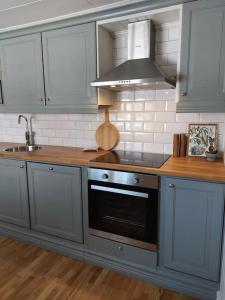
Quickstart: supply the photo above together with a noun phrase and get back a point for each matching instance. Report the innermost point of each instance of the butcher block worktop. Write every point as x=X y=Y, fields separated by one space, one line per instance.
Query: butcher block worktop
x=191 y=167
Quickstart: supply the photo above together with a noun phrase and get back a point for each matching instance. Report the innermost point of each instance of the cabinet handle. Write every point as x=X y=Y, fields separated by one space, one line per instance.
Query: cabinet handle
x=48 y=99
x=21 y=166
x=41 y=100
x=51 y=169
x=224 y=84
x=184 y=94
x=120 y=248
x=171 y=185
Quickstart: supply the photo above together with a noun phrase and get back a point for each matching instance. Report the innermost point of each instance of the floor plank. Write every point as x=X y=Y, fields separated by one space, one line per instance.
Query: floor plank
x=30 y=273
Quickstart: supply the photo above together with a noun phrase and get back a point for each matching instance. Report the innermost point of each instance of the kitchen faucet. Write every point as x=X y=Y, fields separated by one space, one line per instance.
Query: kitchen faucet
x=28 y=132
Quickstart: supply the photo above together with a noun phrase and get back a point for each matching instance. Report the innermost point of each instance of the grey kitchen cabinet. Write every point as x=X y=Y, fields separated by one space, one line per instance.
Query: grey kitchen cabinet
x=50 y=71
x=69 y=66
x=202 y=63
x=14 y=207
x=22 y=73
x=55 y=200
x=191 y=227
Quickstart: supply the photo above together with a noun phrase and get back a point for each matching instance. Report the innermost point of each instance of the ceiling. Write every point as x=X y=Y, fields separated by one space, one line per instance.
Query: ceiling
x=22 y=12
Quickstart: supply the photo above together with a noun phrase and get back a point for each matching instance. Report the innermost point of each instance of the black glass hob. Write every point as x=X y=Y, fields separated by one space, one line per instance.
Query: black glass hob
x=153 y=160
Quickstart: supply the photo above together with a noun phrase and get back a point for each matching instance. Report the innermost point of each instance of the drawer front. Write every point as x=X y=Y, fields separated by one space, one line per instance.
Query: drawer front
x=123 y=252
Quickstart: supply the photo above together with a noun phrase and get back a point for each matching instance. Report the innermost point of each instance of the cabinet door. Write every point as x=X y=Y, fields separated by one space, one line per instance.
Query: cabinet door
x=13 y=193
x=55 y=200
x=22 y=73
x=192 y=221
x=70 y=66
x=202 y=64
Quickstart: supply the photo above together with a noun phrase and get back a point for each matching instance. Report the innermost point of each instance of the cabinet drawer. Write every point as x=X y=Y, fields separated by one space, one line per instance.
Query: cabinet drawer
x=123 y=252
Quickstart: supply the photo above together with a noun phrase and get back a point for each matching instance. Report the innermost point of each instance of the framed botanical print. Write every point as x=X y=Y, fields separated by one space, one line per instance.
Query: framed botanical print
x=202 y=138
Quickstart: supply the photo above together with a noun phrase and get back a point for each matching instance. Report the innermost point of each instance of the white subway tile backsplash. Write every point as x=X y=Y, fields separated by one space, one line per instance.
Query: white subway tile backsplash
x=133 y=146
x=154 y=148
x=120 y=125
x=146 y=119
x=170 y=105
x=174 y=34
x=68 y=124
x=175 y=127
x=120 y=53
x=168 y=149
x=163 y=138
x=153 y=127
x=134 y=126
x=144 y=116
x=141 y=136
x=166 y=47
x=68 y=142
x=55 y=141
x=134 y=106
x=162 y=35
x=172 y=58
x=212 y=117
x=155 y=105
x=190 y=118
x=169 y=116
x=125 y=116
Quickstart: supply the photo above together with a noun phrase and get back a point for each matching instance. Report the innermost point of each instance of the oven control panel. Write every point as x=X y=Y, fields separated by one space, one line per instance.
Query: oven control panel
x=126 y=178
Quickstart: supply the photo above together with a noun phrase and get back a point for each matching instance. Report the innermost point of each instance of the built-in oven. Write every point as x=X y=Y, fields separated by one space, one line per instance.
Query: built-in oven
x=123 y=207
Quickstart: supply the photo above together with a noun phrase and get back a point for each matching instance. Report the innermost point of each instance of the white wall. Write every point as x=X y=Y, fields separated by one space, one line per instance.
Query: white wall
x=146 y=119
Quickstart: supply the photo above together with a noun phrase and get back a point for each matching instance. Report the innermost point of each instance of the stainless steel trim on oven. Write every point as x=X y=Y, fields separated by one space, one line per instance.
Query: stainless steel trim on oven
x=119 y=191
x=125 y=178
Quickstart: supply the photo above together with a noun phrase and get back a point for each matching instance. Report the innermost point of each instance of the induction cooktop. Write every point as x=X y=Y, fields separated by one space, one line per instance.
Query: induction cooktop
x=153 y=160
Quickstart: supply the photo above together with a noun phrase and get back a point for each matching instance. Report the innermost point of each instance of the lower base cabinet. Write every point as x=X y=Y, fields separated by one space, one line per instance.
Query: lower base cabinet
x=191 y=227
x=55 y=200
x=14 y=208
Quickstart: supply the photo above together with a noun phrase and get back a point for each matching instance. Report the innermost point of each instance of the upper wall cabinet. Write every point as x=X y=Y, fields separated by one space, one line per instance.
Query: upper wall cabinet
x=202 y=64
x=22 y=72
x=50 y=71
x=69 y=67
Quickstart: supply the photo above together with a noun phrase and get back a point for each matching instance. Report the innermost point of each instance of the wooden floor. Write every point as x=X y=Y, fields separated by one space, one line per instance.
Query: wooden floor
x=28 y=273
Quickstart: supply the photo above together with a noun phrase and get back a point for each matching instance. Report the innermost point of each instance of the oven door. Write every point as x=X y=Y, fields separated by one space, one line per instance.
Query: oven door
x=124 y=213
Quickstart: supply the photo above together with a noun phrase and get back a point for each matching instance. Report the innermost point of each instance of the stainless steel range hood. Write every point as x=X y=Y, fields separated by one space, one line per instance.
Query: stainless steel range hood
x=140 y=70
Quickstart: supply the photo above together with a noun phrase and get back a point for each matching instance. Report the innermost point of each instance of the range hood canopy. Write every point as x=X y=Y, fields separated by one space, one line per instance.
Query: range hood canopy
x=140 y=70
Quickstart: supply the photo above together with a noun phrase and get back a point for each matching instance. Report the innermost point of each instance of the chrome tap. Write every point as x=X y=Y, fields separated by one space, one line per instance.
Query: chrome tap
x=28 y=132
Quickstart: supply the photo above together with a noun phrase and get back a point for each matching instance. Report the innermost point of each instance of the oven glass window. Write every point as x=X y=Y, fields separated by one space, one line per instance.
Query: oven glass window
x=123 y=210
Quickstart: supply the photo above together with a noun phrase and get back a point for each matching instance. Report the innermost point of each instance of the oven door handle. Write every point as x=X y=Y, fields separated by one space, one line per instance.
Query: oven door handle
x=118 y=191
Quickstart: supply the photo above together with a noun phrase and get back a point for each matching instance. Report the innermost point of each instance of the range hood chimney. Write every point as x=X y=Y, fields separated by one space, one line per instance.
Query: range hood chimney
x=140 y=70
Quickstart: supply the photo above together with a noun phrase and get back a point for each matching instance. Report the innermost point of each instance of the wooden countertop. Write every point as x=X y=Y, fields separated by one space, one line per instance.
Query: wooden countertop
x=191 y=167
x=52 y=154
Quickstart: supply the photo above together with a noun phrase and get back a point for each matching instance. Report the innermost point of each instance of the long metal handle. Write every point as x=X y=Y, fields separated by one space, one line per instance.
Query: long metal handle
x=119 y=191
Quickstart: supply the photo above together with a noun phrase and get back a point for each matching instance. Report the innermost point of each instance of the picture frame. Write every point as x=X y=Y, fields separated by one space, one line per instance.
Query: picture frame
x=202 y=138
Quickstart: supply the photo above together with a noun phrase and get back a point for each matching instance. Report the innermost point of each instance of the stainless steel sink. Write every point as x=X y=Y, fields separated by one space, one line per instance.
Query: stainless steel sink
x=23 y=149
